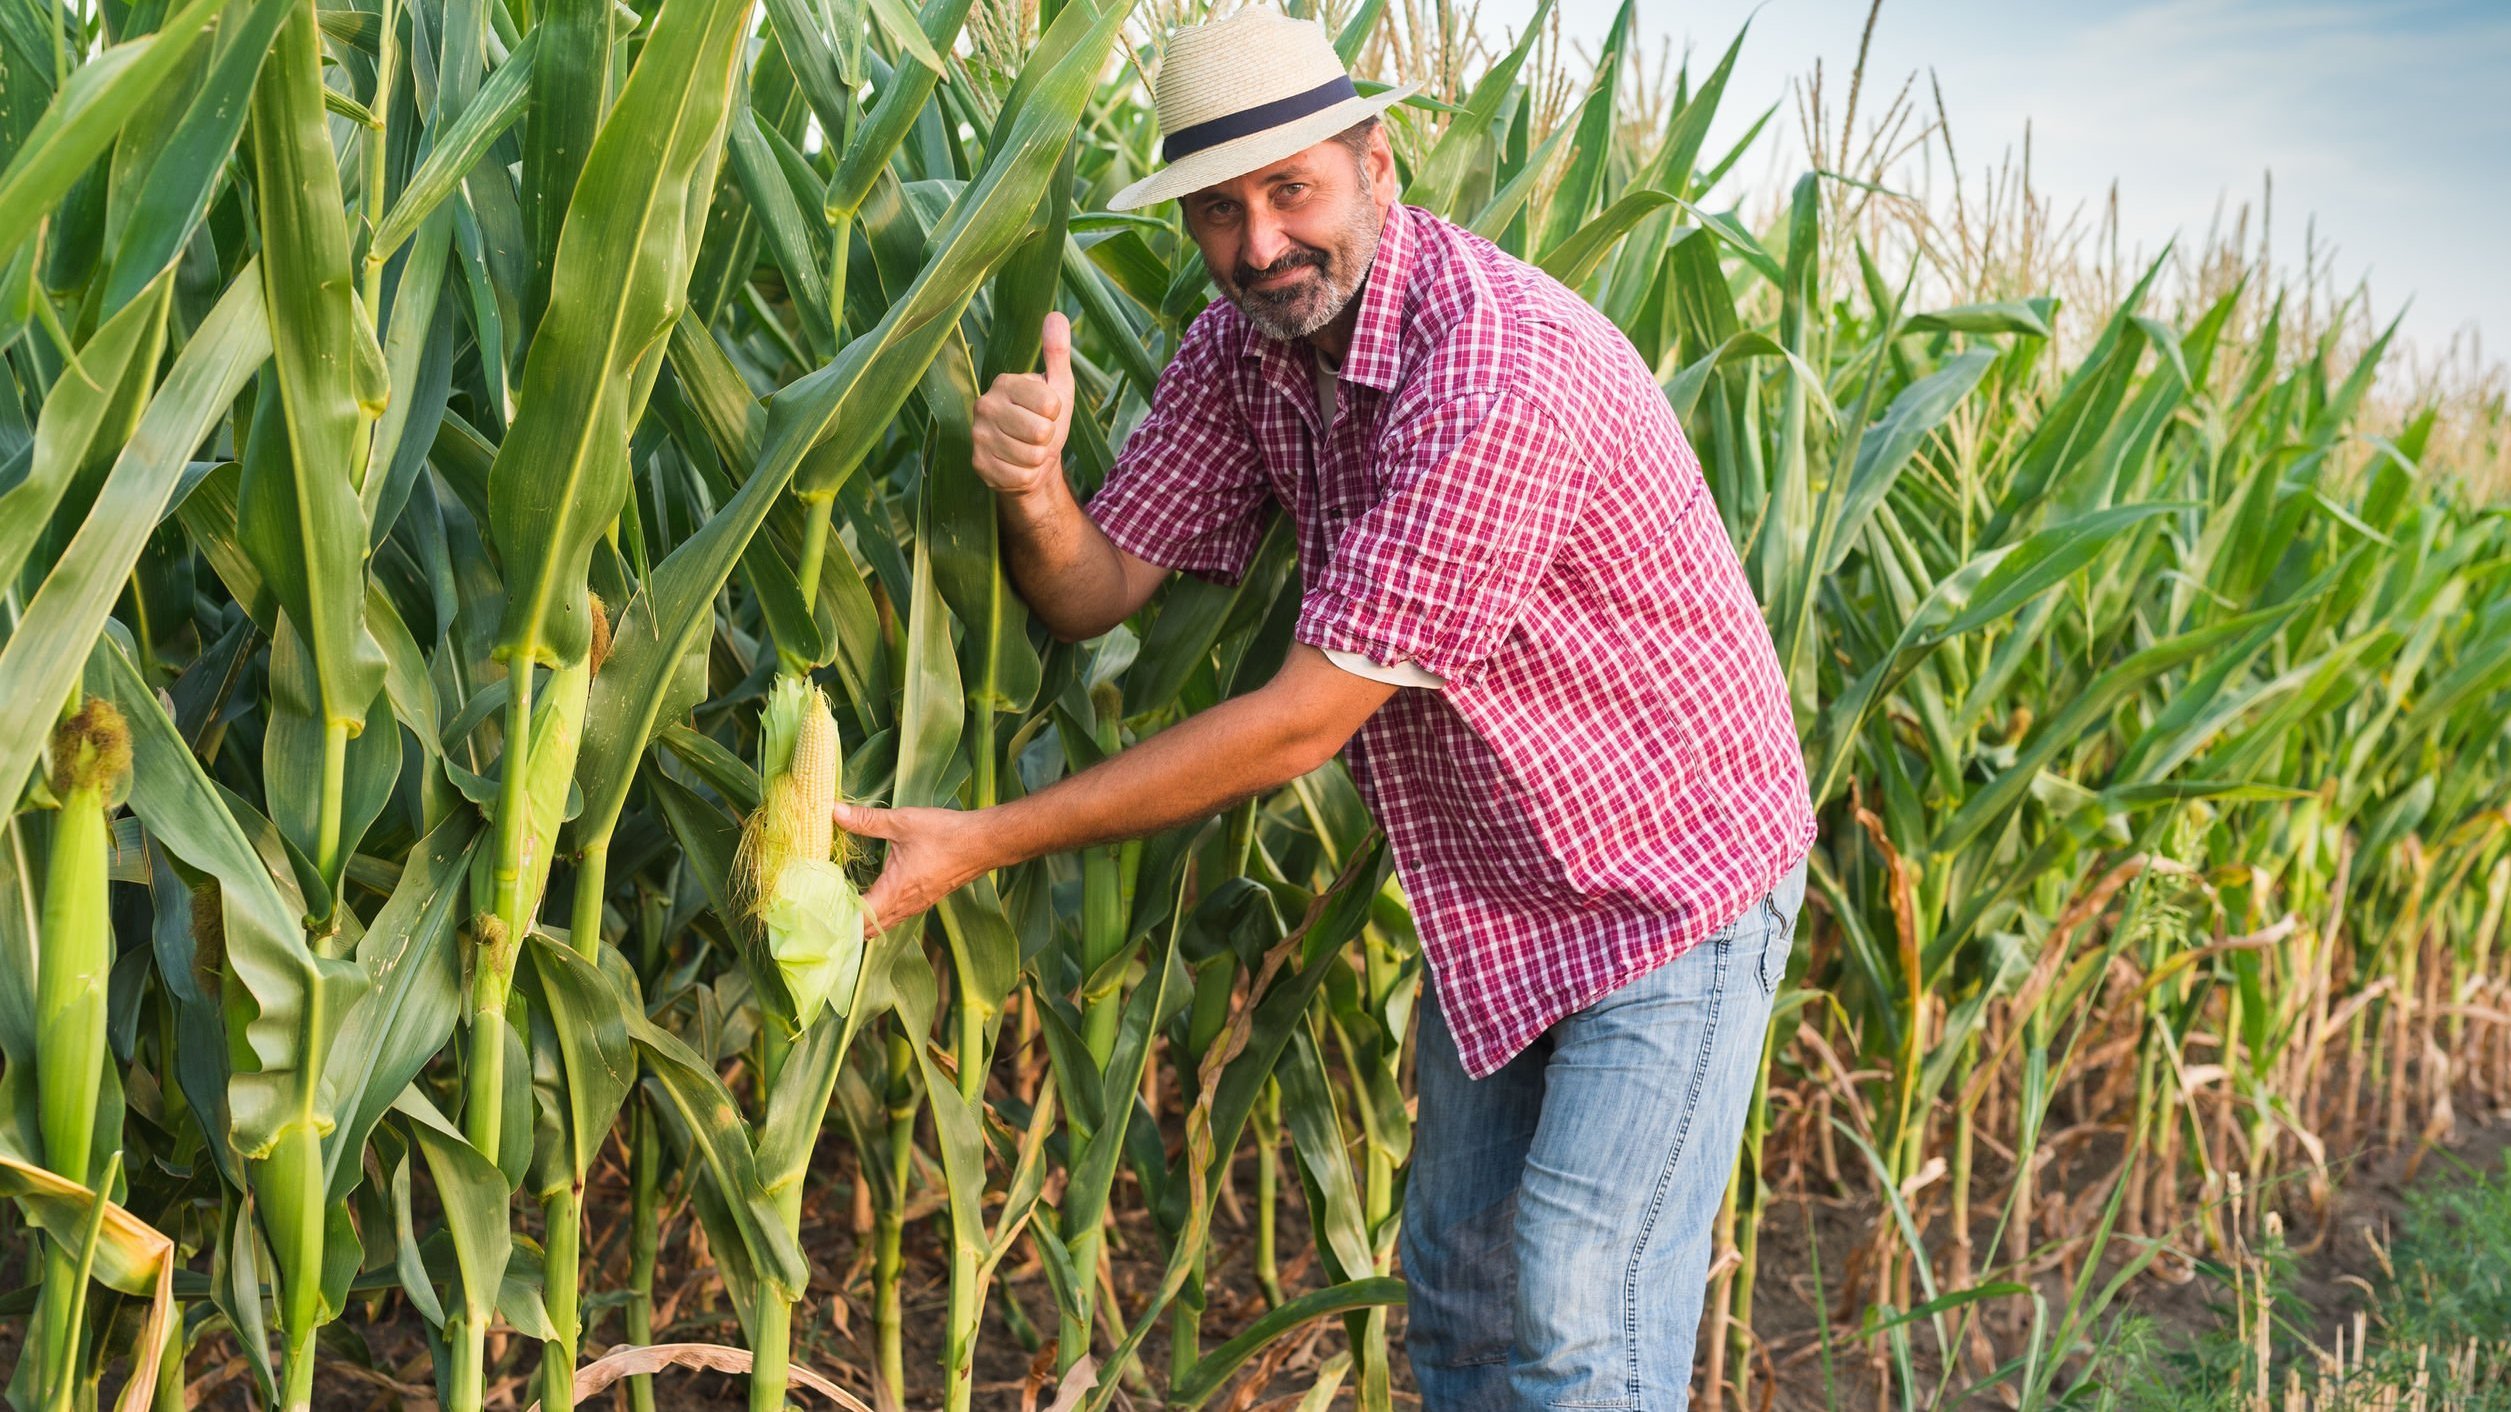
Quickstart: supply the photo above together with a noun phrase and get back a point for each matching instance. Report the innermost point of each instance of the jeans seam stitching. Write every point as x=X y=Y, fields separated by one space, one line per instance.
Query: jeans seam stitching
x=1665 y=1177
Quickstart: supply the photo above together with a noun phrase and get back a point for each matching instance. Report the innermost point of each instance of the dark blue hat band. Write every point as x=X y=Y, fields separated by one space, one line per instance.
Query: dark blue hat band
x=1189 y=140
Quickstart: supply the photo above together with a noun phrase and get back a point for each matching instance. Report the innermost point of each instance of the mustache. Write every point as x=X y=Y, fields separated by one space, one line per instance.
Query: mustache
x=1246 y=275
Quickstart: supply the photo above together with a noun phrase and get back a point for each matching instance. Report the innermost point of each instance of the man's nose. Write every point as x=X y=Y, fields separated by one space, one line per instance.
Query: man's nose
x=1266 y=241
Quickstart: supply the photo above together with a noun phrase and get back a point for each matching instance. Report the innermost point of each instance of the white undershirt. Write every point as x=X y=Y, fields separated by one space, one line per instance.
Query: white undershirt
x=1397 y=673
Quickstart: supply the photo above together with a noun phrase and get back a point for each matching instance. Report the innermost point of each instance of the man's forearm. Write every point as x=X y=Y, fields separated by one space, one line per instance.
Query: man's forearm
x=1193 y=770
x=1068 y=572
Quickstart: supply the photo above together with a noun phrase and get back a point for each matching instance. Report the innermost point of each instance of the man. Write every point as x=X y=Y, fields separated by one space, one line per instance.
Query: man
x=1522 y=621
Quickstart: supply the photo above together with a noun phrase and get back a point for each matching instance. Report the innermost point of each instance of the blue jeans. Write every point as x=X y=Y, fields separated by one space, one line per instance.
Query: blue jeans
x=1558 y=1216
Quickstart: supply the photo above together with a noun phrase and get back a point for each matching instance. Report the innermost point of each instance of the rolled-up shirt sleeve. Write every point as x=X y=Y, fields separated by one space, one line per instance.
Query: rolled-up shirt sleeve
x=1481 y=490
x=1188 y=489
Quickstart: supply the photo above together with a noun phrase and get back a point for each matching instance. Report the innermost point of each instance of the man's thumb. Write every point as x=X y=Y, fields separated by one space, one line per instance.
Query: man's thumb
x=1058 y=344
x=857 y=819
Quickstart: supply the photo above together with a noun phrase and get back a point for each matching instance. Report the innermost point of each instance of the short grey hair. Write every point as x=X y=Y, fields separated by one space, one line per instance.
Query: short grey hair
x=1355 y=140
x=1356 y=137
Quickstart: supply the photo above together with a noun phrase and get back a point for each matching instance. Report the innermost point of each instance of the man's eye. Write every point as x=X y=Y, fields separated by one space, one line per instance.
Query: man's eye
x=1293 y=188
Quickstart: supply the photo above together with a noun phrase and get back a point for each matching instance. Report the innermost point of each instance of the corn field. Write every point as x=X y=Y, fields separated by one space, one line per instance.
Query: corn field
x=481 y=478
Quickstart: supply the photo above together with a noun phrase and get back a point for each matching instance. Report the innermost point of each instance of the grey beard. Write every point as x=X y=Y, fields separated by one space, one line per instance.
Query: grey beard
x=1291 y=324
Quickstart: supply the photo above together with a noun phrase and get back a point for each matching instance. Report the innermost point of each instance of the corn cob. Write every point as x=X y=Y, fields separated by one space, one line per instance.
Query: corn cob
x=791 y=870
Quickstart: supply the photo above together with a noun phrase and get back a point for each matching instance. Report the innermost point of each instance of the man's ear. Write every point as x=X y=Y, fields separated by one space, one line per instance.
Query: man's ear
x=1381 y=160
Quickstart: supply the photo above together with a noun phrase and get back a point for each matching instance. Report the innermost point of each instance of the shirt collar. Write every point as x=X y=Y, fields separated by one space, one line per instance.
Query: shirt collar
x=1374 y=358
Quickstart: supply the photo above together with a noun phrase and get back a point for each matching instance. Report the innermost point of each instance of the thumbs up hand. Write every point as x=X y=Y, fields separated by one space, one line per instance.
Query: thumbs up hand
x=1021 y=421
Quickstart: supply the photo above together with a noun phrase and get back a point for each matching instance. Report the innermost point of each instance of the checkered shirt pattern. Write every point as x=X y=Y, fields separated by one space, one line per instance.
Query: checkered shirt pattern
x=1612 y=770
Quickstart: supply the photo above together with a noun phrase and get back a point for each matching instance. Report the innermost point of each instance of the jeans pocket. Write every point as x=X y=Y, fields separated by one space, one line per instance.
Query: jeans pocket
x=1778 y=939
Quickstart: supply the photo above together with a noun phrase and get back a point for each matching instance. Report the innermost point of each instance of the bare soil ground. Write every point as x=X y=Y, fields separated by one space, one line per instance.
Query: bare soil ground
x=2337 y=1266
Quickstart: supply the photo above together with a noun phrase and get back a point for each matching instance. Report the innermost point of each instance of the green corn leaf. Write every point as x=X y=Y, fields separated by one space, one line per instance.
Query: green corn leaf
x=283 y=1002
x=1468 y=140
x=1577 y=255
x=1313 y=1112
x=191 y=161
x=906 y=30
x=1101 y=307
x=1583 y=183
x=931 y=716
x=721 y=1145
x=798 y=1106
x=458 y=148
x=83 y=420
x=647 y=680
x=413 y=982
x=962 y=1144
x=2022 y=316
x=418 y=364
x=299 y=511
x=292 y=756
x=1501 y=211
x=1987 y=588
x=1687 y=128
x=2094 y=705
x=40 y=662
x=1356 y=30
x=561 y=473
x=779 y=213
x=816 y=66
x=570 y=96
x=88 y=113
x=1094 y=1172
x=903 y=99
x=1213 y=1369
x=1886 y=447
x=591 y=1019
x=355 y=28
x=1196 y=616
x=474 y=1195
x=1332 y=920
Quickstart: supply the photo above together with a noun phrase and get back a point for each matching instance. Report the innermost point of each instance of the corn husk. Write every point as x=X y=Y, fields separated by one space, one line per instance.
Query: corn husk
x=91 y=753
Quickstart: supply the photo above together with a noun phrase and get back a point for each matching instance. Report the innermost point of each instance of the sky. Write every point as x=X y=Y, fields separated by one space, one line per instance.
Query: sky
x=2389 y=120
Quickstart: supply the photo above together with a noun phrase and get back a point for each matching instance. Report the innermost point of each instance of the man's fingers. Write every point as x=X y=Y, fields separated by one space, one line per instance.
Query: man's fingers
x=1024 y=426
x=876 y=905
x=1057 y=338
x=1018 y=460
x=886 y=903
x=1034 y=393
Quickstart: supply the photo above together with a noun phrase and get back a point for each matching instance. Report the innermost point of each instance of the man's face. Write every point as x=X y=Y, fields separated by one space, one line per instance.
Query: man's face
x=1289 y=244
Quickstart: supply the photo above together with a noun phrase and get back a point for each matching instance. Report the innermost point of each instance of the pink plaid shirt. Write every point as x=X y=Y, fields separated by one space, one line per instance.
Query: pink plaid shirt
x=1611 y=772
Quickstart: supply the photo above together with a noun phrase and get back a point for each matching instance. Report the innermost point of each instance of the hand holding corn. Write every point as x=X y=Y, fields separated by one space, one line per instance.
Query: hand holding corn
x=932 y=852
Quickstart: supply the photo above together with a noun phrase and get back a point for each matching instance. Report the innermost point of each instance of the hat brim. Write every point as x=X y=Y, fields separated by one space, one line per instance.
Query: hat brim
x=1255 y=151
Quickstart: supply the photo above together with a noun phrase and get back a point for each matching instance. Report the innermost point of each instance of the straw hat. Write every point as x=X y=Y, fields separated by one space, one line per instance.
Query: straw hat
x=1242 y=93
